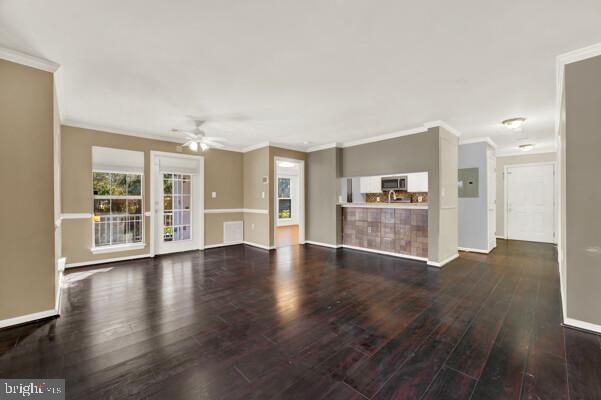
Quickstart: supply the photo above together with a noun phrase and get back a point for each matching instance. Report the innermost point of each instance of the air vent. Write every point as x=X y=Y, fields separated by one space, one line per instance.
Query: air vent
x=233 y=232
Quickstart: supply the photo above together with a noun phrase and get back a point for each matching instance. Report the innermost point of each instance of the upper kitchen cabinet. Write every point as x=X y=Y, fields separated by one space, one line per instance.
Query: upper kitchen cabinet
x=417 y=182
x=370 y=184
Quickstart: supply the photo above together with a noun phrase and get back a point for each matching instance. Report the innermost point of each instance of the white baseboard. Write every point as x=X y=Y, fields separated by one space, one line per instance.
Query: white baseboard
x=443 y=262
x=587 y=326
x=388 y=253
x=212 y=246
x=500 y=237
x=470 y=250
x=261 y=246
x=106 y=260
x=28 y=318
x=332 y=246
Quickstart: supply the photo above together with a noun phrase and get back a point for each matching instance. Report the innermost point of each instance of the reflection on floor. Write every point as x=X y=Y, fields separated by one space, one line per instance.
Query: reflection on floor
x=286 y=235
x=310 y=322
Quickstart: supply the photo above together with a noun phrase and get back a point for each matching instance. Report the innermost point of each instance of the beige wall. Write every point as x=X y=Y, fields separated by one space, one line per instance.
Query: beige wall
x=27 y=259
x=512 y=160
x=223 y=174
x=582 y=249
x=255 y=166
x=323 y=219
x=278 y=152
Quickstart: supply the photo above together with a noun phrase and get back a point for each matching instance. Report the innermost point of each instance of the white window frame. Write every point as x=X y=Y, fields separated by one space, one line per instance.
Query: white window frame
x=283 y=198
x=111 y=248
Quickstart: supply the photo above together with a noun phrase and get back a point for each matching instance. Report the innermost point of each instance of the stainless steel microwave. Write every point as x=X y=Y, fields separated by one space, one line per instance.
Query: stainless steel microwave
x=394 y=183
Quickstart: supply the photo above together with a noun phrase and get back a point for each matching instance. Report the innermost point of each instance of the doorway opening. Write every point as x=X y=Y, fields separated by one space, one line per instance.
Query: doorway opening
x=289 y=187
x=177 y=203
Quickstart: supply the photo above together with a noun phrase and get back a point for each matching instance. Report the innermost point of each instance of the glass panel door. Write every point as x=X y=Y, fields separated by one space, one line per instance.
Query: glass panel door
x=177 y=212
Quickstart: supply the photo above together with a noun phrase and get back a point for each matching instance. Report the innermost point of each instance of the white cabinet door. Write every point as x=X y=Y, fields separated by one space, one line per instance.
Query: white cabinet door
x=364 y=184
x=417 y=182
x=376 y=184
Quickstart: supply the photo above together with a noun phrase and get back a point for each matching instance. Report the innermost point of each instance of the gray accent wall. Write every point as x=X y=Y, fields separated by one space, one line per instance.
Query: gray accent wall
x=473 y=211
x=582 y=249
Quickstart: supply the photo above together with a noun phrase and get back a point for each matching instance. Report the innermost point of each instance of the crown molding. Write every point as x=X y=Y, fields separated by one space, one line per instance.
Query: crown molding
x=254 y=147
x=485 y=139
x=28 y=60
x=442 y=124
x=386 y=136
x=562 y=60
x=526 y=153
x=98 y=128
x=323 y=147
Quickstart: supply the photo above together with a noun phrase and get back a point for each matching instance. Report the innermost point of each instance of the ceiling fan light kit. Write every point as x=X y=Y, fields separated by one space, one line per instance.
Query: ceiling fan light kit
x=197 y=138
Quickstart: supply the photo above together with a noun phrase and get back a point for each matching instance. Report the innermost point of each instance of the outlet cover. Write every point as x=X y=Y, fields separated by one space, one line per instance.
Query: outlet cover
x=214 y=195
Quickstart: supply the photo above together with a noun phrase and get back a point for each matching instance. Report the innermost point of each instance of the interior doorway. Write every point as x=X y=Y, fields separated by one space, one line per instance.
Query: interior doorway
x=530 y=202
x=177 y=203
x=289 y=202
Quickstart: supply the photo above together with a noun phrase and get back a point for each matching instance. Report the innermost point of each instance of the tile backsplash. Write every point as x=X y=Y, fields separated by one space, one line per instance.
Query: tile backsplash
x=373 y=197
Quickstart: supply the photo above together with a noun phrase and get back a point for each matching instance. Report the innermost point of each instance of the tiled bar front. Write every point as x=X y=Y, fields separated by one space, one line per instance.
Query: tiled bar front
x=396 y=230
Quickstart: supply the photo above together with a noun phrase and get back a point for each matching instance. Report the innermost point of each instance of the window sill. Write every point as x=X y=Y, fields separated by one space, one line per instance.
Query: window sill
x=117 y=248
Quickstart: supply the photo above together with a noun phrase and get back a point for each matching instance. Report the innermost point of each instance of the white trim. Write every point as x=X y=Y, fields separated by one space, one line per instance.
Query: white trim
x=443 y=262
x=526 y=153
x=332 y=246
x=104 y=261
x=555 y=195
x=60 y=268
x=301 y=196
x=323 y=147
x=223 y=210
x=27 y=318
x=500 y=237
x=471 y=250
x=117 y=248
x=76 y=216
x=235 y=210
x=212 y=246
x=255 y=211
x=254 y=147
x=387 y=253
x=386 y=136
x=587 y=326
x=479 y=140
x=442 y=124
x=261 y=246
x=28 y=60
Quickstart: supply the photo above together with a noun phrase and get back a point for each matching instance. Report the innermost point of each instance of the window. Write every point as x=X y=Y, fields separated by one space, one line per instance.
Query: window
x=176 y=207
x=284 y=200
x=118 y=209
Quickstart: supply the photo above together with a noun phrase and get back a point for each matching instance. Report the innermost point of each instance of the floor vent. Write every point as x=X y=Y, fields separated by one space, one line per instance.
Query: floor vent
x=233 y=232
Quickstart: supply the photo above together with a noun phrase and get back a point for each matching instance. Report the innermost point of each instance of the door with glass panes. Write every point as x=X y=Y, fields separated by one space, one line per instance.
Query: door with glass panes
x=177 y=230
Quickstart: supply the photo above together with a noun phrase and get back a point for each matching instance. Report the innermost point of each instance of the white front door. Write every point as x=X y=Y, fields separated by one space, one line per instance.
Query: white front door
x=530 y=203
x=178 y=204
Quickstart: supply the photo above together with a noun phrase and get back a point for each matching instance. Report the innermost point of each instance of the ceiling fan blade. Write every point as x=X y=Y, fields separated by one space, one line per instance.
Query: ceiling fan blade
x=188 y=134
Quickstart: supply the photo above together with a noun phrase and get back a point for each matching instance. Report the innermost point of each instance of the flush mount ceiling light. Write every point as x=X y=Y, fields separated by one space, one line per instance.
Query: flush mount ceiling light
x=526 y=147
x=514 y=123
x=286 y=164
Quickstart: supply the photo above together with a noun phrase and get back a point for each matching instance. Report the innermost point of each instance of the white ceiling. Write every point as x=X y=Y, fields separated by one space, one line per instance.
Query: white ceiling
x=312 y=71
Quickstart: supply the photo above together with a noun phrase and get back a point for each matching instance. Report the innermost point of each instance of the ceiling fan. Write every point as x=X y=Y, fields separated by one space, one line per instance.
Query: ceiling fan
x=197 y=138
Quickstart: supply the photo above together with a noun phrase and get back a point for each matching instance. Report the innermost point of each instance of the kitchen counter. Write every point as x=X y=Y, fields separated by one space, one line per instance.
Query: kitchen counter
x=413 y=206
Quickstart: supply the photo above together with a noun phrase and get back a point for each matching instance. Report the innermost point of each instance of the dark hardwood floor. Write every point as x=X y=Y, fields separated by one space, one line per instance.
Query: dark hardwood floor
x=308 y=322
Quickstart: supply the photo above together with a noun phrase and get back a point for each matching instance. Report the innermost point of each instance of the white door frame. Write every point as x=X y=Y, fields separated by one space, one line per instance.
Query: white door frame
x=198 y=216
x=505 y=195
x=301 y=195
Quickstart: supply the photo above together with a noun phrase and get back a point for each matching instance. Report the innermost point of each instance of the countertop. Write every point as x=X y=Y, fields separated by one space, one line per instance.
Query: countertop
x=415 y=206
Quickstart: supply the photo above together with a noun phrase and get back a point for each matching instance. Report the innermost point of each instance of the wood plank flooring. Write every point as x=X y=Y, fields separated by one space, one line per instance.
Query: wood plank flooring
x=308 y=322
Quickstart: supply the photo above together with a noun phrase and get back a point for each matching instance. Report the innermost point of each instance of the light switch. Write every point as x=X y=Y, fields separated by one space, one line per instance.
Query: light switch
x=252 y=227
x=214 y=195
x=262 y=195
